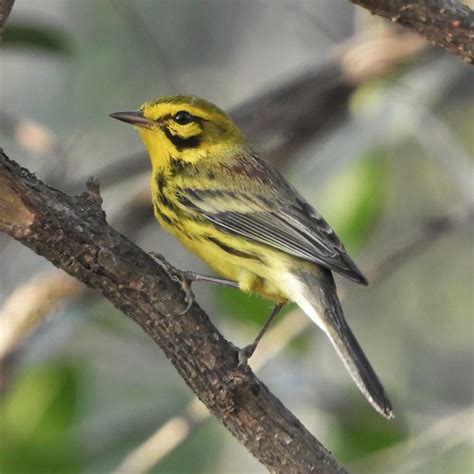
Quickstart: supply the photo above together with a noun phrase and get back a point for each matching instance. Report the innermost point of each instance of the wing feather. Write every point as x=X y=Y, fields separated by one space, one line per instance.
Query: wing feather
x=269 y=211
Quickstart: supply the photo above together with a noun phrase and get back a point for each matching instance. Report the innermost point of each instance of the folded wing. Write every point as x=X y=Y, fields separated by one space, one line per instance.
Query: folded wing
x=258 y=204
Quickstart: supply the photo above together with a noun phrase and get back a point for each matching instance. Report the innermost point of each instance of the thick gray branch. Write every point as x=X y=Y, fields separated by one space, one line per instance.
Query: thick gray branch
x=446 y=23
x=72 y=233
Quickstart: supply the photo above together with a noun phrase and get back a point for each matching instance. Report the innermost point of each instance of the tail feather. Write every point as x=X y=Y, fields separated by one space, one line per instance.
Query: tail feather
x=359 y=368
x=317 y=297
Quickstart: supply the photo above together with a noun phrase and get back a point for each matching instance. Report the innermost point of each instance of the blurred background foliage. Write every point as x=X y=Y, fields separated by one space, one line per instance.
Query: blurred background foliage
x=373 y=126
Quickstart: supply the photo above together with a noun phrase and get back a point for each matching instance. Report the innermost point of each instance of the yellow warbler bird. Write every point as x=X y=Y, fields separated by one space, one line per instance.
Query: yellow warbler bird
x=214 y=192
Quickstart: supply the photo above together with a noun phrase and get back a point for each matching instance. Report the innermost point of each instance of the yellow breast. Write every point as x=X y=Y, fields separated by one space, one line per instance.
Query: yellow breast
x=231 y=257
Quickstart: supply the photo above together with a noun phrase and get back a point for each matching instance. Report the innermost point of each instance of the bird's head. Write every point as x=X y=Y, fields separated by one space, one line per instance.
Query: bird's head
x=183 y=126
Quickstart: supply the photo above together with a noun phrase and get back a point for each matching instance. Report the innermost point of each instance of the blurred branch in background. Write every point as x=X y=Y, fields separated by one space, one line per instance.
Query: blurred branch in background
x=280 y=122
x=413 y=454
x=420 y=239
x=441 y=145
x=28 y=304
x=25 y=310
x=170 y=435
x=377 y=52
x=284 y=119
x=31 y=135
x=446 y=23
x=72 y=233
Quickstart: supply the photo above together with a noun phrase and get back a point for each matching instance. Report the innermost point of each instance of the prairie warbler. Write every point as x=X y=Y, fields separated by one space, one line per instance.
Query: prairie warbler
x=215 y=193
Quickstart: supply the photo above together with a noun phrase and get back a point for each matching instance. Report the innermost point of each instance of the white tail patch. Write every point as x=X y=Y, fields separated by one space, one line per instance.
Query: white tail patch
x=342 y=340
x=298 y=292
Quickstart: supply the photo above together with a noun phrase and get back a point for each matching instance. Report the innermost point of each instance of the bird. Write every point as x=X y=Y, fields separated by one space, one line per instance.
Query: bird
x=217 y=195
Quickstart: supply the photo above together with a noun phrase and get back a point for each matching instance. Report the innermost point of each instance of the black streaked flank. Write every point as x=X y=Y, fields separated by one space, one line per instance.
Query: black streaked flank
x=160 y=181
x=177 y=165
x=182 y=143
x=163 y=216
x=167 y=219
x=166 y=202
x=232 y=250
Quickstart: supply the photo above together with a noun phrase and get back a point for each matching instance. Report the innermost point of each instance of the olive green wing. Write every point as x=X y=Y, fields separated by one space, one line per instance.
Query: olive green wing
x=255 y=202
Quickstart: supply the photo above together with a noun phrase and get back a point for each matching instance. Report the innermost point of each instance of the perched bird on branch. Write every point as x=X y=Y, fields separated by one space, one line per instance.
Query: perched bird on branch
x=214 y=192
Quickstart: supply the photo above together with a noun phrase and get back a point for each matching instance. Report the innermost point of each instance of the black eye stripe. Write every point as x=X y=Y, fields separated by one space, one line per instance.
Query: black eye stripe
x=182 y=143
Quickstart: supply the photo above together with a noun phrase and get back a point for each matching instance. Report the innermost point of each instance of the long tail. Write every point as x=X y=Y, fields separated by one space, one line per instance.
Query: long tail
x=316 y=295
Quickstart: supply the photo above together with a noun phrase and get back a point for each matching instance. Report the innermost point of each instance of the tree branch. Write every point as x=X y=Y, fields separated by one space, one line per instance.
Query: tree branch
x=446 y=23
x=72 y=233
x=5 y=9
x=174 y=431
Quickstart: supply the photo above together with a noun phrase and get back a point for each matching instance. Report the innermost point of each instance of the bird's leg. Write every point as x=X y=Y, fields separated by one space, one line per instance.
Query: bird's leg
x=246 y=352
x=193 y=276
x=185 y=278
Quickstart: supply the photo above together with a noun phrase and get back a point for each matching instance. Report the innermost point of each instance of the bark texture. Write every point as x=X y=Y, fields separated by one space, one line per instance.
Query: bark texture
x=446 y=23
x=5 y=9
x=72 y=233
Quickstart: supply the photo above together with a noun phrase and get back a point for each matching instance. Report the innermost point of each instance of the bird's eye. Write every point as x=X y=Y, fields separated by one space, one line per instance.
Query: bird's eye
x=182 y=117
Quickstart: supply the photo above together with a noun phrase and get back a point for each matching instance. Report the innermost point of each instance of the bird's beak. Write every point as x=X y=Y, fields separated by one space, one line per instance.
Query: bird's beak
x=135 y=118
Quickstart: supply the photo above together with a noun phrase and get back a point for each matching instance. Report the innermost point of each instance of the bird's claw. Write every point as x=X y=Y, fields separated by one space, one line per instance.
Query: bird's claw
x=188 y=292
x=245 y=353
x=184 y=278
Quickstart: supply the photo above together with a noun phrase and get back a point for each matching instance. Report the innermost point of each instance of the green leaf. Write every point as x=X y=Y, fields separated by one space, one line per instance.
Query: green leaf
x=46 y=38
x=35 y=421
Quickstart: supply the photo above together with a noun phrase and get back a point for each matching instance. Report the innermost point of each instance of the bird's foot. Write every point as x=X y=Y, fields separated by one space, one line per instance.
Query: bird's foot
x=183 y=277
x=246 y=353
